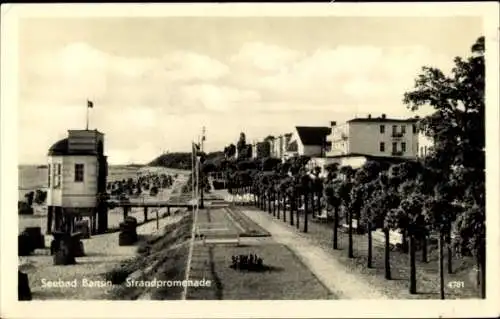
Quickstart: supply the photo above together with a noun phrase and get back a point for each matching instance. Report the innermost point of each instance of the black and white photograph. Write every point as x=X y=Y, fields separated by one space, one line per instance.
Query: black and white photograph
x=252 y=155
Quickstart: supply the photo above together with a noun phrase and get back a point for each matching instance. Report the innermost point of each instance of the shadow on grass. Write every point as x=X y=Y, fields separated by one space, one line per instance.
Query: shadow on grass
x=264 y=268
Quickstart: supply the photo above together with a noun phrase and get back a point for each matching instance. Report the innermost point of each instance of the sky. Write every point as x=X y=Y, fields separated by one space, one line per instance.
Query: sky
x=155 y=82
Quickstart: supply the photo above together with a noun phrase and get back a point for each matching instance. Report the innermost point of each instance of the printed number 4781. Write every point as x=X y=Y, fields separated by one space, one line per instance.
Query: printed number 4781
x=456 y=284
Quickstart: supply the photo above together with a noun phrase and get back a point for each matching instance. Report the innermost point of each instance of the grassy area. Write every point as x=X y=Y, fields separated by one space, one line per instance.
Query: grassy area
x=427 y=273
x=285 y=279
x=251 y=228
x=165 y=257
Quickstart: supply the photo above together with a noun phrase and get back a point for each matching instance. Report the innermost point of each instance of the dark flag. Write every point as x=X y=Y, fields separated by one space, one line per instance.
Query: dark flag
x=90 y=104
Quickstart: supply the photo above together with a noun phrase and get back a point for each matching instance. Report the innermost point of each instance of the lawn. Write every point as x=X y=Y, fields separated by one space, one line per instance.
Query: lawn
x=427 y=273
x=285 y=279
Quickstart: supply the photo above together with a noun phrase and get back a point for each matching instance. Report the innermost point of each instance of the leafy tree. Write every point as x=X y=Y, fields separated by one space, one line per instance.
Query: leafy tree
x=334 y=200
x=457 y=127
x=230 y=151
x=413 y=220
x=263 y=149
x=271 y=164
x=241 y=145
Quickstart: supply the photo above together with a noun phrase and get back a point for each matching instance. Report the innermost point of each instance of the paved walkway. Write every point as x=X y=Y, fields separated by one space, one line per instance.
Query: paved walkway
x=327 y=269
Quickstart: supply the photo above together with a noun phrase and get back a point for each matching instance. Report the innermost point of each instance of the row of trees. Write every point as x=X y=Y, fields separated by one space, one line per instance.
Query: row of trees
x=440 y=196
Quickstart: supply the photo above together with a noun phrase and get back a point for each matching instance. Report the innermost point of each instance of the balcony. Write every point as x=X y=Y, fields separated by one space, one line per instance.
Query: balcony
x=397 y=134
x=397 y=153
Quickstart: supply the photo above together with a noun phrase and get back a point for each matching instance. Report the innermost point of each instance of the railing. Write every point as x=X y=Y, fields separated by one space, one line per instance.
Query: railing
x=398 y=153
x=397 y=135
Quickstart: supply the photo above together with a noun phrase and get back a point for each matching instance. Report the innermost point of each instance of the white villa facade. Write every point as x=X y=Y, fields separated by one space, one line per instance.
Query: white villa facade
x=382 y=136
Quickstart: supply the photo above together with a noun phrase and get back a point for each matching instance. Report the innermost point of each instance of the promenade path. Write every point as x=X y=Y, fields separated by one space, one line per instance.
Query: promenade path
x=329 y=271
x=287 y=278
x=336 y=277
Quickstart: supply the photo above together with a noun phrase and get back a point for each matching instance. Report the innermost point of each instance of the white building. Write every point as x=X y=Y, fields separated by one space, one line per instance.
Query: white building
x=77 y=171
x=308 y=141
x=279 y=145
x=424 y=145
x=381 y=136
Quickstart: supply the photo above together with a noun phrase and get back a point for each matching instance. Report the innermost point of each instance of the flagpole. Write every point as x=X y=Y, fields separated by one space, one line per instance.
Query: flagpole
x=87 y=121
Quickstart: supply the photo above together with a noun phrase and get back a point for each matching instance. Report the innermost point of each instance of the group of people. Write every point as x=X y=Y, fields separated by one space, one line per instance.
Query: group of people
x=246 y=262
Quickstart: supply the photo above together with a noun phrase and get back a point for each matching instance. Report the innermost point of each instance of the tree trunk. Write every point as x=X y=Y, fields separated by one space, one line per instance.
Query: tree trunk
x=358 y=221
x=404 y=244
x=370 y=248
x=319 y=204
x=424 y=249
x=349 y=220
x=306 y=206
x=387 y=255
x=274 y=204
x=482 y=268
x=297 y=221
x=269 y=204
x=279 y=202
x=292 y=208
x=413 y=268
x=313 y=205
x=441 y=264
x=449 y=252
x=336 y=228
x=284 y=207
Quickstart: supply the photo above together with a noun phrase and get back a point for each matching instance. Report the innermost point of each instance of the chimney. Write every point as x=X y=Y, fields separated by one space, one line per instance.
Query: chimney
x=383 y=116
x=333 y=123
x=369 y=116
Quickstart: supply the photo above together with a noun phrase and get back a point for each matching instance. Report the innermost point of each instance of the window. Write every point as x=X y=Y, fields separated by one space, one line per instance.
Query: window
x=382 y=146
x=403 y=147
x=414 y=129
x=57 y=175
x=421 y=151
x=79 y=172
x=382 y=129
x=403 y=129
x=394 y=129
x=394 y=147
x=50 y=177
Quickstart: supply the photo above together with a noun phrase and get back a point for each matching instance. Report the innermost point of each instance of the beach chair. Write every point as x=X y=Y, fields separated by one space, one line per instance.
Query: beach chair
x=323 y=217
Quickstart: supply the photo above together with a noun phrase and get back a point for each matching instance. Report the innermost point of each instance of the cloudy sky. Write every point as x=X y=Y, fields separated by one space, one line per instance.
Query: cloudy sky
x=156 y=81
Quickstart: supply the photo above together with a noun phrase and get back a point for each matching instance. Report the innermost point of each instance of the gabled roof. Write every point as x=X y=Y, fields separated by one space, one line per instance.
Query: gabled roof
x=313 y=135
